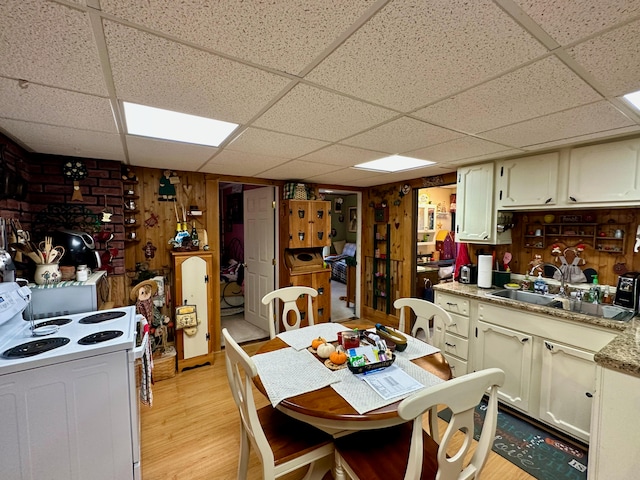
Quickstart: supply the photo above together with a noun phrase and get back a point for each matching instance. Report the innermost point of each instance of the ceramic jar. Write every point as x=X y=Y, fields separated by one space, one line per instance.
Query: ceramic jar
x=47 y=274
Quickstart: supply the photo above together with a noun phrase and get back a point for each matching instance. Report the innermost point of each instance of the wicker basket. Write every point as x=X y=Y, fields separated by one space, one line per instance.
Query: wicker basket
x=164 y=366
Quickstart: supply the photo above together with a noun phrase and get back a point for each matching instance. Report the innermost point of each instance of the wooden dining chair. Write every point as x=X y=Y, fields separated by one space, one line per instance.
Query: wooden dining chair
x=282 y=443
x=288 y=296
x=407 y=452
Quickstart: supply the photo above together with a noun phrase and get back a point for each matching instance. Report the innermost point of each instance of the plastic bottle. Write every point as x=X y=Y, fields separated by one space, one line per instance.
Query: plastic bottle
x=539 y=286
x=606 y=296
x=595 y=290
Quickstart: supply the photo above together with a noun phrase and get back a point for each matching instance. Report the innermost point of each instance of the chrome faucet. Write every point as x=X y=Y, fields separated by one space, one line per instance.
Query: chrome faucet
x=562 y=291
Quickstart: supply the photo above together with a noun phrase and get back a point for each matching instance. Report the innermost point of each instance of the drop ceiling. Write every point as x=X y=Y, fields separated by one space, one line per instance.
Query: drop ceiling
x=318 y=86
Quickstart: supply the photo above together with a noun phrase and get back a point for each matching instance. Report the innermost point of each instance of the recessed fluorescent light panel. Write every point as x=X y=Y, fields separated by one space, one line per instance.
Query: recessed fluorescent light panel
x=633 y=99
x=181 y=127
x=394 y=163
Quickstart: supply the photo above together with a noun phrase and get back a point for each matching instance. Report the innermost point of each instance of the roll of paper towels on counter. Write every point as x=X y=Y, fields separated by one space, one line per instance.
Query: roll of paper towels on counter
x=485 y=267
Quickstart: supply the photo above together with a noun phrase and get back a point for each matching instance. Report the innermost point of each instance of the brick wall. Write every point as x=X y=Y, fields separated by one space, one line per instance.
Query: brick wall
x=46 y=186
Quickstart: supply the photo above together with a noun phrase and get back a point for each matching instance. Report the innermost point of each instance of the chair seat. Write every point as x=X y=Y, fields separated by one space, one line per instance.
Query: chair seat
x=288 y=437
x=374 y=455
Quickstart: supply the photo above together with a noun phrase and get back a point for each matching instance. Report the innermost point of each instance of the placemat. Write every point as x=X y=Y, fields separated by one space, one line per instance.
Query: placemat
x=288 y=372
x=301 y=338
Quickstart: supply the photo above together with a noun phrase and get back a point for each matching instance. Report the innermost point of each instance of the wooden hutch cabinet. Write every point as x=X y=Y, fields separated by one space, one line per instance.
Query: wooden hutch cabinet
x=305 y=228
x=193 y=285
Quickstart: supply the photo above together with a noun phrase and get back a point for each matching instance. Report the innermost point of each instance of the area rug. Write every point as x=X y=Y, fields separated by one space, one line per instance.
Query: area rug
x=536 y=451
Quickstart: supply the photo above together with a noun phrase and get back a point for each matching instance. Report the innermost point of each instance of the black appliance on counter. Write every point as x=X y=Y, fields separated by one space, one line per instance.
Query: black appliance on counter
x=80 y=248
x=627 y=290
x=468 y=274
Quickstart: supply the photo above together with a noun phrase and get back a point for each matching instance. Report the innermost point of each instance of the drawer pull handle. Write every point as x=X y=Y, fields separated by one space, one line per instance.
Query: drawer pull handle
x=589 y=394
x=524 y=340
x=451 y=303
x=453 y=325
x=452 y=345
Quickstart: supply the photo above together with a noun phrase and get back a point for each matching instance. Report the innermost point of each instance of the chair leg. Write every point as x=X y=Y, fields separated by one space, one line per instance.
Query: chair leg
x=338 y=473
x=245 y=448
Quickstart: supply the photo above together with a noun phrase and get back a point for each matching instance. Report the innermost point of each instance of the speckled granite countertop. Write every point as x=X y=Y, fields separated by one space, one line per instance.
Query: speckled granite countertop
x=622 y=353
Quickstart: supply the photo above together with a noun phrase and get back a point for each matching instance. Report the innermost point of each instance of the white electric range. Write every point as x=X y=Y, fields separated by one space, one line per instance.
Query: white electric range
x=68 y=395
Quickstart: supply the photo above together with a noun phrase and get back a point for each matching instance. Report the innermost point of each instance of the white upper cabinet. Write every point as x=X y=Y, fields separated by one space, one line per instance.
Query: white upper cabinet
x=474 y=199
x=476 y=214
x=606 y=173
x=527 y=182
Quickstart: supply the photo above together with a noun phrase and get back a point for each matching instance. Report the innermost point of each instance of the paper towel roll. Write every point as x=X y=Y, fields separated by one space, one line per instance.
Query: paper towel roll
x=485 y=267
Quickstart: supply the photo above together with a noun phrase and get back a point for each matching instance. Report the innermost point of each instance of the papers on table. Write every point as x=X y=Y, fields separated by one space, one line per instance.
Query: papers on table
x=392 y=382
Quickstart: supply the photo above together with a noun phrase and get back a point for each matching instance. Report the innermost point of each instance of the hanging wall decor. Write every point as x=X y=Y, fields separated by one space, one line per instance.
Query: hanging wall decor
x=75 y=170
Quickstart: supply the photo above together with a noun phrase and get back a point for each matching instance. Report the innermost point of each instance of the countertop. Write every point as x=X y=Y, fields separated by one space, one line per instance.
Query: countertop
x=621 y=354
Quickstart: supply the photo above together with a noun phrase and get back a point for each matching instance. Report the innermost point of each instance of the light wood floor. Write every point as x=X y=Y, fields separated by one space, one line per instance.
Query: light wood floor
x=192 y=430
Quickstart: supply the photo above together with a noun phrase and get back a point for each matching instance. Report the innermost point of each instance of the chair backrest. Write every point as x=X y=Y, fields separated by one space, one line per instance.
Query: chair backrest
x=240 y=372
x=424 y=312
x=461 y=395
x=288 y=296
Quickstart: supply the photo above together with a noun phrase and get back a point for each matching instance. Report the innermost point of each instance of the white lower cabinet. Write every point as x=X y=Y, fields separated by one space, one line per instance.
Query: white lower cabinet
x=567 y=385
x=512 y=351
x=455 y=345
x=548 y=362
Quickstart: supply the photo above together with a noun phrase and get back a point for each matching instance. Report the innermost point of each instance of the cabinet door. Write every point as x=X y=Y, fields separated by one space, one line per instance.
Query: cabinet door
x=567 y=387
x=321 y=304
x=474 y=215
x=309 y=223
x=529 y=181
x=195 y=291
x=604 y=173
x=511 y=351
x=299 y=224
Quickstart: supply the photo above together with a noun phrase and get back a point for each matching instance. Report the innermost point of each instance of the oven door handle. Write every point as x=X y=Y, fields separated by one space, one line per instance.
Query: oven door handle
x=140 y=351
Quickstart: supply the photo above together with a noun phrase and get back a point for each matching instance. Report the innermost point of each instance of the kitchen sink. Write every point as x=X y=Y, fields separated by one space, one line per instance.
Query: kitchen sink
x=522 y=296
x=611 y=312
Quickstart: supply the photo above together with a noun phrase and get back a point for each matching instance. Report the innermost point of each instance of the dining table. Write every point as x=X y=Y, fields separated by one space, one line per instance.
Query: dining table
x=327 y=409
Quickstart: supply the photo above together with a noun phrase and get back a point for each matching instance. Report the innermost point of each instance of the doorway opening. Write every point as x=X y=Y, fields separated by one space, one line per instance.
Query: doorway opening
x=342 y=256
x=435 y=237
x=239 y=298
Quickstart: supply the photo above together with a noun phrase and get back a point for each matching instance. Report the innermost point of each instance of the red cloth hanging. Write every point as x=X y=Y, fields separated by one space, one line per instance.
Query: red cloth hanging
x=462 y=258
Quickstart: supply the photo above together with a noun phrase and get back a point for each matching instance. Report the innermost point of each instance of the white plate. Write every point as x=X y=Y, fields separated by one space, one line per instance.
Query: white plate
x=45 y=330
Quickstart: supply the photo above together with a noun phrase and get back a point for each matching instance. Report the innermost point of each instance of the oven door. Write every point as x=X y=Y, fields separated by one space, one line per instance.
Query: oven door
x=137 y=357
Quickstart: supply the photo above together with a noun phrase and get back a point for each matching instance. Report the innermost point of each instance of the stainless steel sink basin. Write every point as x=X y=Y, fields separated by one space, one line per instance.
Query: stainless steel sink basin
x=522 y=296
x=592 y=309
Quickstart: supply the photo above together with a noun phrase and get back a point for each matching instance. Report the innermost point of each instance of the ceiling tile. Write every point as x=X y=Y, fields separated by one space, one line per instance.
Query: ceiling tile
x=64 y=108
x=586 y=16
x=401 y=135
x=351 y=177
x=612 y=59
x=616 y=132
x=285 y=35
x=65 y=141
x=462 y=148
x=299 y=170
x=541 y=88
x=151 y=71
x=415 y=52
x=274 y=144
x=49 y=43
x=314 y=113
x=163 y=154
x=229 y=162
x=598 y=117
x=342 y=155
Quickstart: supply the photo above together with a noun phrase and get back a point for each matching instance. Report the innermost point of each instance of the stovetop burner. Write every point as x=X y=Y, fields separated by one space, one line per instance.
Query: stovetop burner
x=102 y=317
x=53 y=321
x=100 y=337
x=30 y=349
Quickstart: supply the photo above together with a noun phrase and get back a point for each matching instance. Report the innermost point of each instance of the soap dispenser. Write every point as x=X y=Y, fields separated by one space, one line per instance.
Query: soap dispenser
x=540 y=286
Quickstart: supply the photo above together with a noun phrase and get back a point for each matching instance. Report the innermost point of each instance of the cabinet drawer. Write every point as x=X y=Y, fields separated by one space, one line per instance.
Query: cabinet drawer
x=455 y=345
x=458 y=367
x=453 y=303
x=460 y=325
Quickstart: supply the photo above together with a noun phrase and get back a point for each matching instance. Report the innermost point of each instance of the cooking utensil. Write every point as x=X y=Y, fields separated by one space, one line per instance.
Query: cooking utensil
x=506 y=259
x=55 y=254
